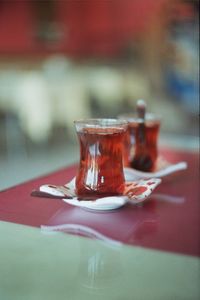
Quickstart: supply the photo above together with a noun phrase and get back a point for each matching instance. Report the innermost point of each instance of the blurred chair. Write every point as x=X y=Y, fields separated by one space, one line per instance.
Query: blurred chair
x=105 y=84
x=33 y=106
x=136 y=86
x=12 y=134
x=67 y=86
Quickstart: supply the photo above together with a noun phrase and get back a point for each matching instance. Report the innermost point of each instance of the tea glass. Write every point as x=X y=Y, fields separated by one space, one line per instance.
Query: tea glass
x=100 y=171
x=140 y=149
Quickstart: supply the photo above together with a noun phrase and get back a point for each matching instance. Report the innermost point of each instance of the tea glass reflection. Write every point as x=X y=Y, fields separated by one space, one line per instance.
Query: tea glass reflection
x=141 y=142
x=100 y=171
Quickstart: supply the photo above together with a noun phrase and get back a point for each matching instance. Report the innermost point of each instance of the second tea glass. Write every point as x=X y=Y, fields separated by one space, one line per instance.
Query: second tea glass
x=141 y=142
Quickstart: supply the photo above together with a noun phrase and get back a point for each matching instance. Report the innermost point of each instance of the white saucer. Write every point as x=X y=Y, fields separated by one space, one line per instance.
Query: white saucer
x=101 y=204
x=134 y=192
x=163 y=168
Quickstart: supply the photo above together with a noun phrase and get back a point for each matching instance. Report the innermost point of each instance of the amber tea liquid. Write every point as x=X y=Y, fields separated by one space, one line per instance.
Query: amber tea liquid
x=100 y=170
x=144 y=149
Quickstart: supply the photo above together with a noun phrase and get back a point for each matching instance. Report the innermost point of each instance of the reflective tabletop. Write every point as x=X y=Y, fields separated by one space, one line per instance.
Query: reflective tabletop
x=150 y=251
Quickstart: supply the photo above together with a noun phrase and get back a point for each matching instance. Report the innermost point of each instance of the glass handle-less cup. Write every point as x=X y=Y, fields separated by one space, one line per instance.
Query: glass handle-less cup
x=146 y=145
x=100 y=171
x=141 y=150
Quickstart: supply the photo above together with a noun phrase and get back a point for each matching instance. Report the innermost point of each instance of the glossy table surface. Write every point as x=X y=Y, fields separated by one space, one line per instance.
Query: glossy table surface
x=136 y=252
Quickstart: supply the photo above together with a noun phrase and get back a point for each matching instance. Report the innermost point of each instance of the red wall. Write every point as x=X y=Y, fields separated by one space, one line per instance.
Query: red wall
x=88 y=27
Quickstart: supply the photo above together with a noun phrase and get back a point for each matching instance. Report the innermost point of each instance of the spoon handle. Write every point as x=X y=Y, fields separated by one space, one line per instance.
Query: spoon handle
x=36 y=193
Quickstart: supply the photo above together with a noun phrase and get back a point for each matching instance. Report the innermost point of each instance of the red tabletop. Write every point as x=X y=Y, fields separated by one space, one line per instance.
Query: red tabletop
x=168 y=221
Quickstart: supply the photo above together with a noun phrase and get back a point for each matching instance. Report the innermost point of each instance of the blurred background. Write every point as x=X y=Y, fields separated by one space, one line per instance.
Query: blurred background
x=71 y=59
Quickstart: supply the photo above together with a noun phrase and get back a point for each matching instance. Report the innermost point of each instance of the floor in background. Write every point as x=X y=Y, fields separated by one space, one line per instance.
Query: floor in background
x=22 y=166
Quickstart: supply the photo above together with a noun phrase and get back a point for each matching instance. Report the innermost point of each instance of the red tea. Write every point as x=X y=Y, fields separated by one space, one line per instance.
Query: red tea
x=101 y=168
x=127 y=148
x=144 y=144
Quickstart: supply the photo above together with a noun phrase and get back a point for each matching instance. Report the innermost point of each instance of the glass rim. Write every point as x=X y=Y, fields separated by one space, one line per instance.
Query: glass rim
x=133 y=117
x=102 y=122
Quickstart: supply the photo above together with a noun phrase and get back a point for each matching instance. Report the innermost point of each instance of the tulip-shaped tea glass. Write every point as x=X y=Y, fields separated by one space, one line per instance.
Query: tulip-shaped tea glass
x=141 y=142
x=100 y=171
